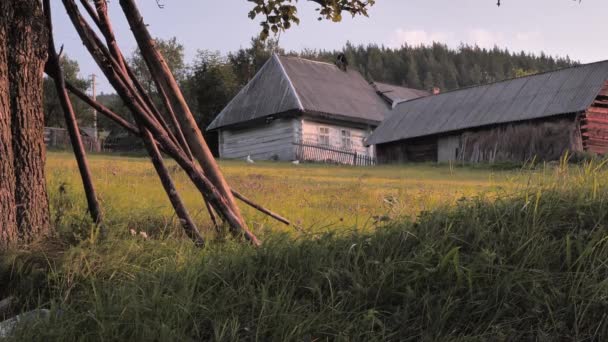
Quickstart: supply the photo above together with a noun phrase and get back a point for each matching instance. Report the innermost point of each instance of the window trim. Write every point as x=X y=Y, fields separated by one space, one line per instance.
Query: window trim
x=346 y=139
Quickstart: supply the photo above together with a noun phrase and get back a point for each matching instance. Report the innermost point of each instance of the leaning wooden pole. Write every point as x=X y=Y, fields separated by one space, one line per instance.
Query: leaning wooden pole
x=160 y=70
x=71 y=123
x=134 y=130
x=176 y=201
x=123 y=87
x=102 y=20
x=260 y=208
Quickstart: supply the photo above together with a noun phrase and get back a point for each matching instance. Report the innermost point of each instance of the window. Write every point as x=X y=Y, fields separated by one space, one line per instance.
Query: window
x=346 y=141
x=324 y=136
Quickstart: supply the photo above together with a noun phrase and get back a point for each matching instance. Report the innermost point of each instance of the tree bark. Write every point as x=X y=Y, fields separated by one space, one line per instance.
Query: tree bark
x=70 y=120
x=26 y=58
x=8 y=222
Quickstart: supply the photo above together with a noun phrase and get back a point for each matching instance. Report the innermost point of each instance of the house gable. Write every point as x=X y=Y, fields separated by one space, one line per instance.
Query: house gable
x=269 y=92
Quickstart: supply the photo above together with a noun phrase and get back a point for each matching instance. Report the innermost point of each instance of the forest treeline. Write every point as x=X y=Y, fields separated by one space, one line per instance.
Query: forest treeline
x=212 y=78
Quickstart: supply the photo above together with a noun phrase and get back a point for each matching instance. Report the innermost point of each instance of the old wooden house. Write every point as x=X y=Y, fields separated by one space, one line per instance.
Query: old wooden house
x=299 y=109
x=538 y=116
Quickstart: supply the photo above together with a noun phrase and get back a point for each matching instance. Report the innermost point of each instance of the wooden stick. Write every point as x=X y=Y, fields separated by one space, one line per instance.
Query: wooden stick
x=96 y=105
x=101 y=19
x=90 y=10
x=131 y=128
x=71 y=123
x=260 y=208
x=165 y=178
x=105 y=26
x=159 y=69
x=212 y=215
x=180 y=134
x=108 y=66
x=189 y=226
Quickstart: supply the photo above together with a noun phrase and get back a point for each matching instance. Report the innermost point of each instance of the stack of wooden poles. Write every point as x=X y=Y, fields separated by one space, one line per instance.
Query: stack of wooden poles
x=170 y=130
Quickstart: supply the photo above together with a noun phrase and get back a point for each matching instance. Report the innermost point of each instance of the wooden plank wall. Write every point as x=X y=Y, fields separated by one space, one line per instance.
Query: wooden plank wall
x=264 y=141
x=310 y=135
x=594 y=124
x=547 y=139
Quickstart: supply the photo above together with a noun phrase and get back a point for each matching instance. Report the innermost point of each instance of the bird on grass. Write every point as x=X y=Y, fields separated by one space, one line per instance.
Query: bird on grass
x=249 y=160
x=296 y=162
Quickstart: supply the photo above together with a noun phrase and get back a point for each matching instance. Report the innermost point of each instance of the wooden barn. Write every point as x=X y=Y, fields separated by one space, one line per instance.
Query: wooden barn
x=538 y=116
x=299 y=109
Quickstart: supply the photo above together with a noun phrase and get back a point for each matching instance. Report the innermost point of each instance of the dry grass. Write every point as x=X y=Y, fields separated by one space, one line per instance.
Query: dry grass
x=317 y=198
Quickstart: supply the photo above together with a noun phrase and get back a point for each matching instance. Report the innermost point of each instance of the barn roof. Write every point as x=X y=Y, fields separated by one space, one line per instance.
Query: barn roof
x=286 y=84
x=564 y=91
x=397 y=93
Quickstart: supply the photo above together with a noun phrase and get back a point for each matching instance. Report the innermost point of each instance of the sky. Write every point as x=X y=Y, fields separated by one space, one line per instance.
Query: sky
x=557 y=27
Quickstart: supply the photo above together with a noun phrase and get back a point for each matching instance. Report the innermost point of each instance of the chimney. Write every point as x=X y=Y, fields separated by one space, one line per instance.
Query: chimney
x=342 y=62
x=436 y=91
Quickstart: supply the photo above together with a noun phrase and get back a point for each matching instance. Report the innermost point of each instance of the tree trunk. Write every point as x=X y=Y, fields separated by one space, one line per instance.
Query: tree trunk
x=27 y=55
x=8 y=223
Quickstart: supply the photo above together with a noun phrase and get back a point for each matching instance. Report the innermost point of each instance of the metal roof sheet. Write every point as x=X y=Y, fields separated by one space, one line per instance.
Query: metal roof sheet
x=269 y=92
x=397 y=94
x=562 y=91
x=291 y=83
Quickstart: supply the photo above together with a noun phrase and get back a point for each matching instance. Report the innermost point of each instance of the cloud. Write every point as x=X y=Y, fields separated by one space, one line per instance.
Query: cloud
x=526 y=40
x=484 y=38
x=417 y=37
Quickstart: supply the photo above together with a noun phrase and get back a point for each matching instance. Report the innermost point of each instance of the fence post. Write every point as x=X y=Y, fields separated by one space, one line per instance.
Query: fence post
x=355 y=159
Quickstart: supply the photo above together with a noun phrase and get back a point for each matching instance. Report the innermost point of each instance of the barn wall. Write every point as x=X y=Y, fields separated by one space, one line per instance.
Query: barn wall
x=264 y=141
x=413 y=150
x=543 y=140
x=594 y=124
x=546 y=140
x=311 y=129
x=448 y=148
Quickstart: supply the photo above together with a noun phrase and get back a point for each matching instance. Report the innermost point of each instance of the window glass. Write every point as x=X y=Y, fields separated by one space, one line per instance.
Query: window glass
x=324 y=136
x=346 y=140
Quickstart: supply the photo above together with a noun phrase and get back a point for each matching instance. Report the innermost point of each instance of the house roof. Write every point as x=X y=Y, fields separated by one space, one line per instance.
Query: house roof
x=286 y=84
x=398 y=94
x=564 y=91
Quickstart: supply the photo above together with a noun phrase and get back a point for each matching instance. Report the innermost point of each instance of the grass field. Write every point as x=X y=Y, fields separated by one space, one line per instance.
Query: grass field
x=465 y=254
x=317 y=198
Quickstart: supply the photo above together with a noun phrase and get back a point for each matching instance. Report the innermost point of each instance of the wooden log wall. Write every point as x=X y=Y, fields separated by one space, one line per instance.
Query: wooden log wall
x=594 y=124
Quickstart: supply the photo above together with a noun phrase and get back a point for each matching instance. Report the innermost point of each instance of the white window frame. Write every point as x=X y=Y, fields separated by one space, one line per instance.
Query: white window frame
x=323 y=136
x=346 y=138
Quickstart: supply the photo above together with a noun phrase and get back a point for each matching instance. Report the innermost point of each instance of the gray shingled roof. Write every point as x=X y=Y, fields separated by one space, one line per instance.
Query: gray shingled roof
x=563 y=91
x=397 y=94
x=286 y=84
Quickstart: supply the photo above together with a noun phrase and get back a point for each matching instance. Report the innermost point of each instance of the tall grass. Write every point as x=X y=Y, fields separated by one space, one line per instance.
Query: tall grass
x=524 y=264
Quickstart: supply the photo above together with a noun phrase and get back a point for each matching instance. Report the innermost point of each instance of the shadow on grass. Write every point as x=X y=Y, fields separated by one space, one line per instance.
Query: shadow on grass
x=529 y=267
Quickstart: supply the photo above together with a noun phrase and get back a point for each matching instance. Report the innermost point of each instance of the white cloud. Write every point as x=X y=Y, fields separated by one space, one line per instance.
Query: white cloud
x=417 y=37
x=484 y=38
x=525 y=40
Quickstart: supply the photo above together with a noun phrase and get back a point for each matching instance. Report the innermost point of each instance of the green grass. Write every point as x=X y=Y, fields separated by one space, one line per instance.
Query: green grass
x=317 y=198
x=469 y=254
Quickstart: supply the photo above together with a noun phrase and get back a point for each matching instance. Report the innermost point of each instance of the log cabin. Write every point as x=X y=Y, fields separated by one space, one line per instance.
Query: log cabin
x=539 y=116
x=293 y=102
